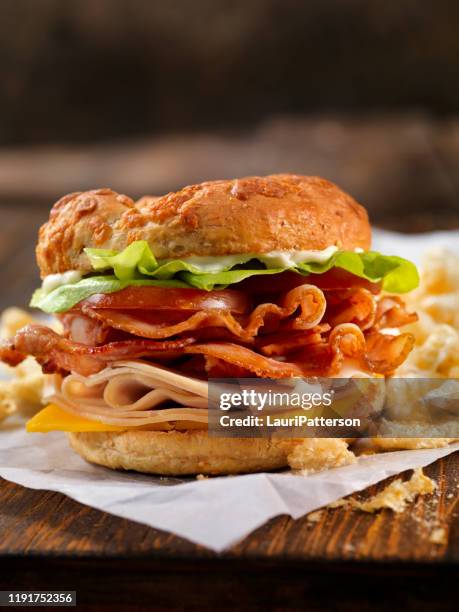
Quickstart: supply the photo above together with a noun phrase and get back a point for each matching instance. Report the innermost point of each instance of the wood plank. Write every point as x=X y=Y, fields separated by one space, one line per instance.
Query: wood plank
x=403 y=167
x=18 y=236
x=46 y=523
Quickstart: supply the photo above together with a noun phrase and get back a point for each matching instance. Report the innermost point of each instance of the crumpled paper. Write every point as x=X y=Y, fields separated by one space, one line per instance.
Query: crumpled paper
x=215 y=512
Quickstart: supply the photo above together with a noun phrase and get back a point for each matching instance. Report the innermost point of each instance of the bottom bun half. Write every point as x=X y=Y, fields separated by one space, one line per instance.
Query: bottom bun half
x=175 y=453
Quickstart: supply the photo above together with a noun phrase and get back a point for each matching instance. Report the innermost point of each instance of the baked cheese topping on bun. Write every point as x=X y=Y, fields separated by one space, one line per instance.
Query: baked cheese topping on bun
x=282 y=212
x=254 y=277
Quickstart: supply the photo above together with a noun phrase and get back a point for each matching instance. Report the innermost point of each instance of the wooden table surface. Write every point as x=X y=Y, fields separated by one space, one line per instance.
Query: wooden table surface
x=344 y=559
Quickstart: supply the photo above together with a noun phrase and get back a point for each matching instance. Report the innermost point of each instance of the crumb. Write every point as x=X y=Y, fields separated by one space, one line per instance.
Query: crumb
x=339 y=503
x=438 y=536
x=315 y=517
x=395 y=496
x=201 y=477
x=315 y=454
x=401 y=443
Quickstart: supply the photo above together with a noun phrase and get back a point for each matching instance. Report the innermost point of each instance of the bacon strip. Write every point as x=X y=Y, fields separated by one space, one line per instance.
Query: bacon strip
x=56 y=353
x=385 y=353
x=247 y=359
x=326 y=358
x=377 y=352
x=391 y=312
x=346 y=340
x=139 y=325
x=351 y=306
x=282 y=343
x=306 y=300
x=9 y=355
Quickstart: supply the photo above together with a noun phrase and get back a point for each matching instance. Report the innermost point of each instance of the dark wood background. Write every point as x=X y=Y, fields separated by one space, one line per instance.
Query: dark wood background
x=86 y=71
x=145 y=97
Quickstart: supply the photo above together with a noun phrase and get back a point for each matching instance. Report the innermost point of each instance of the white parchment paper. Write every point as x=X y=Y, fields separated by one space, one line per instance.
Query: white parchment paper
x=215 y=512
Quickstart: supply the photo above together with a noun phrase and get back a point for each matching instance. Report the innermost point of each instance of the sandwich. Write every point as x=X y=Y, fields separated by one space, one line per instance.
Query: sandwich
x=258 y=277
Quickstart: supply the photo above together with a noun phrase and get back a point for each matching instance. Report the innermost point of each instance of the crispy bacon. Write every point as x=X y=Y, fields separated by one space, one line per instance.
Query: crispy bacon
x=378 y=353
x=326 y=358
x=307 y=330
x=282 y=343
x=307 y=302
x=246 y=359
x=9 y=355
x=385 y=353
x=56 y=353
x=149 y=325
x=347 y=340
x=356 y=305
x=391 y=313
x=212 y=367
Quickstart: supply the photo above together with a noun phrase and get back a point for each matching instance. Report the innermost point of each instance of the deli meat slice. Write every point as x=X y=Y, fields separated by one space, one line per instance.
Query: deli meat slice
x=135 y=393
x=83 y=329
x=165 y=419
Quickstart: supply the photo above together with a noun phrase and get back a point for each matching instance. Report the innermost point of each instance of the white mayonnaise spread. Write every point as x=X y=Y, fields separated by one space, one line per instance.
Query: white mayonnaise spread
x=53 y=281
x=213 y=265
x=289 y=259
x=273 y=259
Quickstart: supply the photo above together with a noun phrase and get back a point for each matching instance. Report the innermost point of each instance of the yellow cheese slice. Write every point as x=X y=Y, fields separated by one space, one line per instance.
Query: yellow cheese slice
x=53 y=418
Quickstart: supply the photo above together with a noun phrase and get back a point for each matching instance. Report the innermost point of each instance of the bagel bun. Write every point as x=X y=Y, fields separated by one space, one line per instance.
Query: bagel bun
x=282 y=212
x=177 y=453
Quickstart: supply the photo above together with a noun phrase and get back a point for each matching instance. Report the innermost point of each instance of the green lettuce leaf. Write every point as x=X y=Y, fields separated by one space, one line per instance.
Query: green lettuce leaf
x=138 y=260
x=397 y=275
x=137 y=266
x=66 y=296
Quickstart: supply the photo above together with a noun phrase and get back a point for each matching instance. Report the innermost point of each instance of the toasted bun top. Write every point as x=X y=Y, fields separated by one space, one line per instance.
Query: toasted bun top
x=282 y=212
